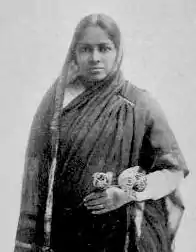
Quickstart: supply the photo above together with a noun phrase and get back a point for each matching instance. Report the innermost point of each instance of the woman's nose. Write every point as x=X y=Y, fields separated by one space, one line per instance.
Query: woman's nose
x=95 y=57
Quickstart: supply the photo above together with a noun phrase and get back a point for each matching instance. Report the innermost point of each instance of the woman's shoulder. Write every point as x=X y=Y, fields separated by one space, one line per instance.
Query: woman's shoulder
x=138 y=96
x=145 y=104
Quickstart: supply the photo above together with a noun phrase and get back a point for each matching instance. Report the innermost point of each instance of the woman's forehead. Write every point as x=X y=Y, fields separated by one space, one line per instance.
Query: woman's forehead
x=94 y=36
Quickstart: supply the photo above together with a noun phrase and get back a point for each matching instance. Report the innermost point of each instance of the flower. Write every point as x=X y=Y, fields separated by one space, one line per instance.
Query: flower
x=102 y=180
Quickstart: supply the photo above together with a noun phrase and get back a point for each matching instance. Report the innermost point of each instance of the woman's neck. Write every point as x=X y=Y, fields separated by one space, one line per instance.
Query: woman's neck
x=94 y=84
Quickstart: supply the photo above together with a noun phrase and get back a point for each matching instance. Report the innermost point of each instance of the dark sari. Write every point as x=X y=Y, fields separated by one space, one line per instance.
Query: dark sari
x=92 y=139
x=106 y=128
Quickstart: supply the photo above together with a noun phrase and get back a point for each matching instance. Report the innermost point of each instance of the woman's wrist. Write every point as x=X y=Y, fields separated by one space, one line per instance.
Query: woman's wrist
x=137 y=196
x=133 y=182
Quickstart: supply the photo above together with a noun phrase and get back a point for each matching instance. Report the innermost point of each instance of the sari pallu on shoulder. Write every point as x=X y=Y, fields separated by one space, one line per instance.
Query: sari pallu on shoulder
x=96 y=136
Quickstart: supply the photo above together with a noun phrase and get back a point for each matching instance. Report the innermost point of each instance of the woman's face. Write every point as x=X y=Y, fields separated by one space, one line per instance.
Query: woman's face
x=95 y=54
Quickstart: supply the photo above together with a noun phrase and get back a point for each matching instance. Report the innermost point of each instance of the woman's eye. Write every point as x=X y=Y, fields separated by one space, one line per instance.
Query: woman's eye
x=105 y=49
x=85 y=49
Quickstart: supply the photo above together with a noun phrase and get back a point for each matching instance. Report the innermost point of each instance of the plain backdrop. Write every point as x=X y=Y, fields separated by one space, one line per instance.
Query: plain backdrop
x=159 y=39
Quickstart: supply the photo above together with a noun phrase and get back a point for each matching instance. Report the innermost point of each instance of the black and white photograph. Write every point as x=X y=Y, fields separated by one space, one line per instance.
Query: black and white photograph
x=98 y=126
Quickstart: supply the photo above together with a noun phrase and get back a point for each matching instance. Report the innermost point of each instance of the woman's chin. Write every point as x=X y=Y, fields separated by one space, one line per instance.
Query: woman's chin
x=96 y=77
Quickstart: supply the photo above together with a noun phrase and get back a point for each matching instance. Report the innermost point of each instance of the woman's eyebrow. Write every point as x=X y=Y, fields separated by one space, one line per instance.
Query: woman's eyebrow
x=91 y=44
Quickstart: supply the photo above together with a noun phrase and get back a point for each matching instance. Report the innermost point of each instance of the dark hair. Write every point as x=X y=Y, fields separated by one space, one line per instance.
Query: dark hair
x=103 y=21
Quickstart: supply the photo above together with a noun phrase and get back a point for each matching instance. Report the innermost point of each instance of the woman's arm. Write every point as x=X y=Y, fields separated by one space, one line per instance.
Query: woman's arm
x=160 y=155
x=160 y=184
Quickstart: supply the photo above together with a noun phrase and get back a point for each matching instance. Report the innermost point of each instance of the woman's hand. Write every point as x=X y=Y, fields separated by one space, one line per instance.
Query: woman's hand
x=107 y=200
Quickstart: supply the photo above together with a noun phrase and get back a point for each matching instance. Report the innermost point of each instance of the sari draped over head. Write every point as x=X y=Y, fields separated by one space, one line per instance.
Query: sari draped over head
x=109 y=127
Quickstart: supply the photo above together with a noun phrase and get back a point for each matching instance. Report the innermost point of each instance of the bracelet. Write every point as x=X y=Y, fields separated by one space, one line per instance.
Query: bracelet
x=141 y=182
x=132 y=181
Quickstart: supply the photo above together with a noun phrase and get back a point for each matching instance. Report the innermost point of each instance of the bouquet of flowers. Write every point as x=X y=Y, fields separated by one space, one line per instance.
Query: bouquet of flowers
x=131 y=179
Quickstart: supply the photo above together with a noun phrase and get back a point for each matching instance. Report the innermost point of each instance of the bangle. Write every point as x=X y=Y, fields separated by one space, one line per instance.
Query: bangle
x=133 y=179
x=141 y=182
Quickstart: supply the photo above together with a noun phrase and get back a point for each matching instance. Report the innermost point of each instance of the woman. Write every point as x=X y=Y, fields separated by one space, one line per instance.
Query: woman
x=95 y=129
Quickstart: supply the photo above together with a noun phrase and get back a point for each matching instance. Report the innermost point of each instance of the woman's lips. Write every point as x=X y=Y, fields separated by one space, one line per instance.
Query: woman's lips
x=95 y=69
